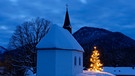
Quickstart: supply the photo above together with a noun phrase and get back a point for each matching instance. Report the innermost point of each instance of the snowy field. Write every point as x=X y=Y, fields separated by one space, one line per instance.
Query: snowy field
x=120 y=70
x=85 y=73
x=108 y=71
x=111 y=71
x=90 y=73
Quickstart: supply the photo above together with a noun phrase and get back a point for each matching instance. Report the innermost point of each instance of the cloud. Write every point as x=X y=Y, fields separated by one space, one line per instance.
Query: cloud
x=129 y=26
x=111 y=14
x=83 y=1
x=6 y=28
x=5 y=34
x=14 y=1
x=3 y=27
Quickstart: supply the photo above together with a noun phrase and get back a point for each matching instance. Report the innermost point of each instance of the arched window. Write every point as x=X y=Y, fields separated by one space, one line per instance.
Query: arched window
x=75 y=60
x=79 y=60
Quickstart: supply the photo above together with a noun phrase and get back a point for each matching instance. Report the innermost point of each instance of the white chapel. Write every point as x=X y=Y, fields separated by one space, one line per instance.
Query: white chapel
x=59 y=54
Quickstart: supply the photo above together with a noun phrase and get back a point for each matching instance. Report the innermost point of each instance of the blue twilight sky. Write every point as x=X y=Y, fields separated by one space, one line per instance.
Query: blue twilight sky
x=113 y=15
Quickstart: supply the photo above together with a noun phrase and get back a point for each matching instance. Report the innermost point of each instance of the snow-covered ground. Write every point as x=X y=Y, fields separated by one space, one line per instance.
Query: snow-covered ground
x=90 y=73
x=108 y=71
x=85 y=73
x=111 y=71
x=30 y=73
x=120 y=70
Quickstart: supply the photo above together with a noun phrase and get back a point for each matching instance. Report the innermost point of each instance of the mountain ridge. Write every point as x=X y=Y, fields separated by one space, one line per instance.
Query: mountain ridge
x=2 y=49
x=113 y=46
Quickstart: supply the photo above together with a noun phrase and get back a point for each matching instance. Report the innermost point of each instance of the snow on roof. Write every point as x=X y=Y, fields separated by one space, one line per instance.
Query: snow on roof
x=58 y=37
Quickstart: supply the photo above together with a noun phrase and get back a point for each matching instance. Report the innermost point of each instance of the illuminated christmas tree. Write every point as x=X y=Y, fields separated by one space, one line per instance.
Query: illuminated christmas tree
x=95 y=61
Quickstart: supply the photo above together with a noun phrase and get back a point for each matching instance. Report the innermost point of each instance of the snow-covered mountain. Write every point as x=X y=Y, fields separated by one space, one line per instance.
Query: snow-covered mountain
x=115 y=48
x=2 y=49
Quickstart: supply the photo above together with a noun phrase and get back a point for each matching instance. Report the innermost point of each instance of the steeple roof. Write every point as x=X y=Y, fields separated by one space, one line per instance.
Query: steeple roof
x=67 y=24
x=59 y=38
x=67 y=20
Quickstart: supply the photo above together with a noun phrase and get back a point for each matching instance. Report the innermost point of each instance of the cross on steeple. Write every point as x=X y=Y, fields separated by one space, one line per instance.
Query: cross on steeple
x=67 y=24
x=66 y=6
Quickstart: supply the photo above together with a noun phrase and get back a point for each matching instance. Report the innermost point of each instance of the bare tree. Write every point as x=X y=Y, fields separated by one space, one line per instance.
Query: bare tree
x=30 y=32
x=24 y=41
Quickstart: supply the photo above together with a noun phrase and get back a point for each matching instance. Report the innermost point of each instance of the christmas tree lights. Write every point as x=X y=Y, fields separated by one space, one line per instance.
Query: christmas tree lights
x=95 y=61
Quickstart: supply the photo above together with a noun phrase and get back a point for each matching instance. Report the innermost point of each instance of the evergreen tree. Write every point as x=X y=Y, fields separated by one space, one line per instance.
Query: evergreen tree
x=95 y=61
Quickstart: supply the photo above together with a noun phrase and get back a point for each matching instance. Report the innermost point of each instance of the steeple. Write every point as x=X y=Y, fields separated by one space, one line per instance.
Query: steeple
x=67 y=24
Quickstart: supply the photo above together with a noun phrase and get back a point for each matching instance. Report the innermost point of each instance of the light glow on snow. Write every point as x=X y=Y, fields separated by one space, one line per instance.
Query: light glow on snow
x=91 y=73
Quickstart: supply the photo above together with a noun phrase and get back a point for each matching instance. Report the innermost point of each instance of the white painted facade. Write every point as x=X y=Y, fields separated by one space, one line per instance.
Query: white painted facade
x=59 y=54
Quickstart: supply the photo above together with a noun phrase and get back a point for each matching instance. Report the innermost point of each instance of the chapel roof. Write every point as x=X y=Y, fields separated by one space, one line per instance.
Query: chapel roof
x=60 y=38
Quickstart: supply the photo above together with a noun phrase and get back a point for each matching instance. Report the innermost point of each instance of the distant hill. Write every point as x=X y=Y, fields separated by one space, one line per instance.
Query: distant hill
x=2 y=49
x=115 y=48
